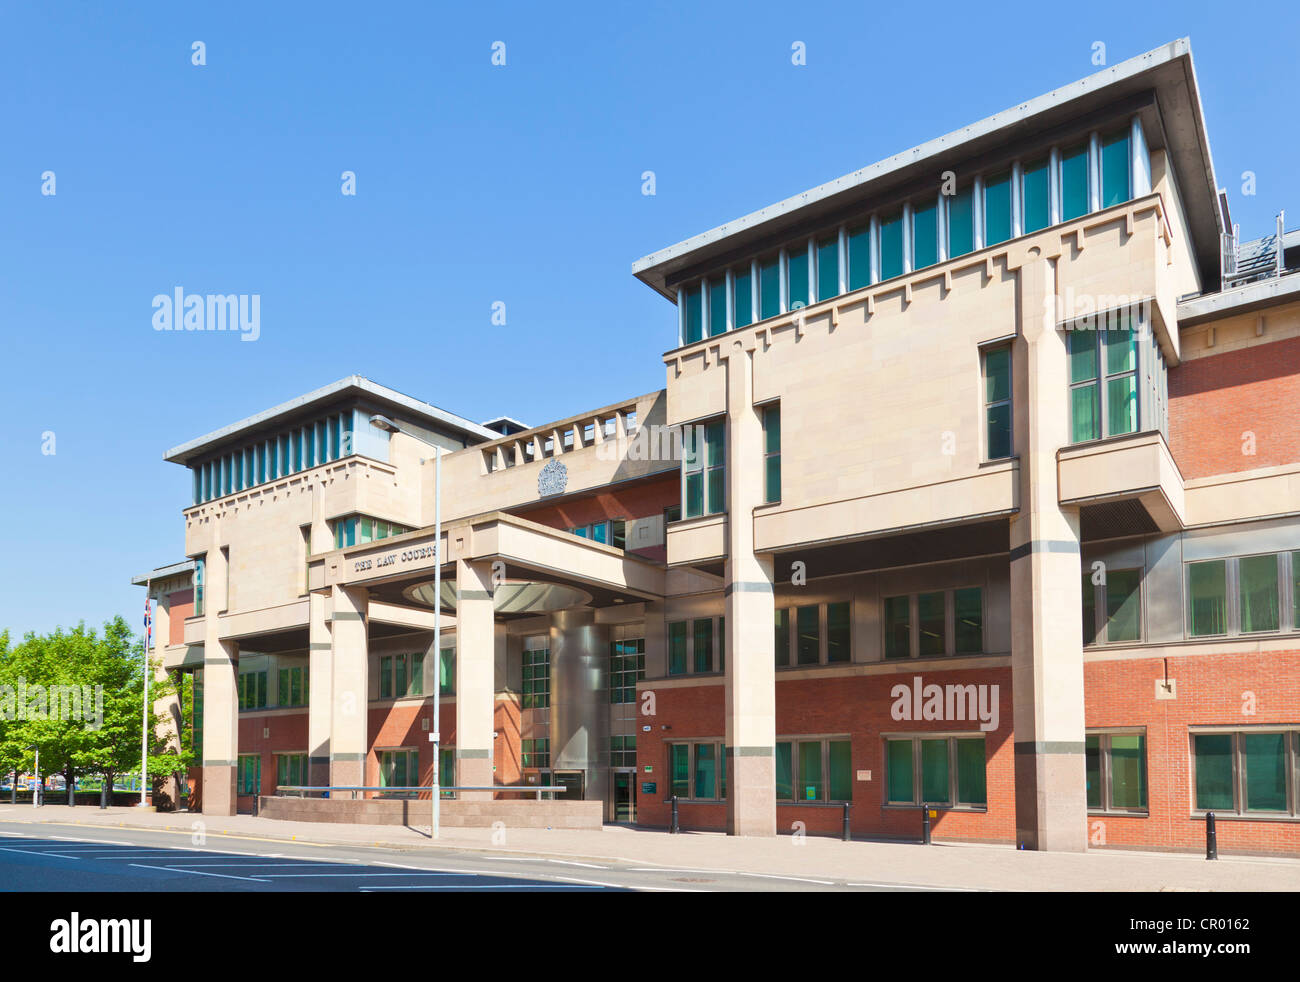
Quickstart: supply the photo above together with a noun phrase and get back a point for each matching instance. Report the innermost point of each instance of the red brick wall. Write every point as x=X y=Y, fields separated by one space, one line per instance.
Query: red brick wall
x=1214 y=400
x=181 y=605
x=636 y=501
x=288 y=735
x=1211 y=691
x=859 y=707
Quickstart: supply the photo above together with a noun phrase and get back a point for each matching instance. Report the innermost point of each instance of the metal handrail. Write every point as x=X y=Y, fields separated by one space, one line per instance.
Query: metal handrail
x=302 y=790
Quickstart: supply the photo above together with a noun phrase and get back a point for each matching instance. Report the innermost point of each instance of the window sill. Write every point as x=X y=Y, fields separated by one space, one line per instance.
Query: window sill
x=1119 y=813
x=1250 y=817
x=895 y=806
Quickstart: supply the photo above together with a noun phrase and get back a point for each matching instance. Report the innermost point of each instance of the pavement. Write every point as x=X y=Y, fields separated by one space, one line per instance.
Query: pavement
x=782 y=862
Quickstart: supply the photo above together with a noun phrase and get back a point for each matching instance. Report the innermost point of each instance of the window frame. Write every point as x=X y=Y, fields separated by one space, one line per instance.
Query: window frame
x=1239 y=811
x=916 y=738
x=1288 y=616
x=695 y=461
x=989 y=405
x=719 y=773
x=1101 y=606
x=1105 y=770
x=950 y=623
x=790 y=611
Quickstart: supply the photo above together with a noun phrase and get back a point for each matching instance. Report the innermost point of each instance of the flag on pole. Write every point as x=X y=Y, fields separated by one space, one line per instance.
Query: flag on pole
x=148 y=623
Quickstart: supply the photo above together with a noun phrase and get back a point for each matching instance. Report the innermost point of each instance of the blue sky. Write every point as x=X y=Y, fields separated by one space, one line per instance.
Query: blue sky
x=475 y=184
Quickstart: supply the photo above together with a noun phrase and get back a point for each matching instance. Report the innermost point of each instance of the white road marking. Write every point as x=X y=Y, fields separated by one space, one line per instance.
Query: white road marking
x=479 y=886
x=223 y=876
x=567 y=862
x=573 y=879
x=795 y=879
x=37 y=852
x=297 y=876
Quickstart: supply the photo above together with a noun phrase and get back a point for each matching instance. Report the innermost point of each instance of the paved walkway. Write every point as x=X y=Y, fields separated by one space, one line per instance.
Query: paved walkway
x=945 y=866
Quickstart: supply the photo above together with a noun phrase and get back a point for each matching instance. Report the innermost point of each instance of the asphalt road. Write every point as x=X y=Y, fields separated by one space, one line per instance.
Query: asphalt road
x=71 y=859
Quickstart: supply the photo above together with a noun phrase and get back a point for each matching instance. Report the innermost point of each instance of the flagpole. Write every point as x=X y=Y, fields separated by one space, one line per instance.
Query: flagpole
x=144 y=734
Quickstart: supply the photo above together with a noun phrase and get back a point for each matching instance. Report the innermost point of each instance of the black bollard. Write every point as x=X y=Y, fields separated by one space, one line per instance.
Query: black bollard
x=848 y=835
x=72 y=794
x=103 y=794
x=1211 y=837
x=675 y=828
x=925 y=825
x=13 y=790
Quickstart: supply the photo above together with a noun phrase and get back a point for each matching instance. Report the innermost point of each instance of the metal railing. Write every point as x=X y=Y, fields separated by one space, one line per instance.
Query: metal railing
x=303 y=790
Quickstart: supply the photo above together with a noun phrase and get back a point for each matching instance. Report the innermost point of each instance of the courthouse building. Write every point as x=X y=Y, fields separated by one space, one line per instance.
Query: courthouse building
x=974 y=483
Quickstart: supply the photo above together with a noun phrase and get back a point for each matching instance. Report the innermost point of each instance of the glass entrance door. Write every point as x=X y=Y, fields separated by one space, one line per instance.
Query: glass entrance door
x=624 y=796
x=572 y=782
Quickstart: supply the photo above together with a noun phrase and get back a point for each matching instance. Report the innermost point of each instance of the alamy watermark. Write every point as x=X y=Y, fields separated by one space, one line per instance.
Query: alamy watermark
x=945 y=702
x=181 y=311
x=76 y=703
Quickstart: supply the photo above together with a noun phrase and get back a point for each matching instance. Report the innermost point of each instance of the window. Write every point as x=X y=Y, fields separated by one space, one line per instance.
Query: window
x=772 y=453
x=997 y=403
x=622 y=750
x=293 y=686
x=626 y=668
x=447 y=672
x=693 y=316
x=931 y=613
x=399 y=769
x=359 y=529
x=702 y=631
x=290 y=770
x=925 y=234
x=1207 y=597
x=891 y=246
x=200 y=579
x=828 y=267
x=743 y=295
x=947 y=770
x=703 y=469
x=535 y=753
x=814 y=770
x=1115 y=765
x=1112 y=608
x=717 y=305
x=401 y=676
x=250 y=773
x=691 y=645
x=997 y=209
x=677 y=648
x=252 y=690
x=1104 y=356
x=1295 y=589
x=537 y=678
x=697 y=771
x=961 y=222
x=808 y=626
x=769 y=287
x=1257 y=593
x=797 y=292
x=1074 y=182
x=838 y=633
x=860 y=257
x=1247 y=772
x=1034 y=196
x=782 y=631
x=1115 y=183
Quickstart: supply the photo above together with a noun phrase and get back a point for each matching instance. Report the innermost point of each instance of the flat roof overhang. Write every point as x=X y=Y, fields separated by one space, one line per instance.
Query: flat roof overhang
x=528 y=553
x=352 y=387
x=1164 y=78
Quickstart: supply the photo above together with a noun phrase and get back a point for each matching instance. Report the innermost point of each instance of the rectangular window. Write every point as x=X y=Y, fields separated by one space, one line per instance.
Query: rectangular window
x=925 y=234
x=1123 y=606
x=415 y=684
x=899 y=772
x=891 y=246
x=769 y=287
x=944 y=770
x=782 y=637
x=1115 y=184
x=537 y=678
x=535 y=753
x=814 y=770
x=968 y=620
x=715 y=467
x=808 y=625
x=743 y=295
x=1034 y=196
x=859 y=257
x=828 y=267
x=250 y=774
x=717 y=305
x=290 y=770
x=1121 y=377
x=1074 y=182
x=772 y=453
x=1207 y=597
x=1115 y=768
x=399 y=769
x=1213 y=759
x=706 y=771
x=679 y=769
x=784 y=771
x=997 y=403
x=997 y=209
x=934 y=772
x=1264 y=757
x=293 y=686
x=447 y=672
x=626 y=668
x=702 y=630
x=810 y=784
x=1085 y=407
x=898 y=627
x=1248 y=772
x=838 y=633
x=1257 y=591
x=677 y=648
x=797 y=276
x=839 y=774
x=200 y=579
x=931 y=621
x=971 y=786
x=694 y=324
x=704 y=468
x=386 y=677
x=961 y=223
x=1090 y=592
x=1295 y=589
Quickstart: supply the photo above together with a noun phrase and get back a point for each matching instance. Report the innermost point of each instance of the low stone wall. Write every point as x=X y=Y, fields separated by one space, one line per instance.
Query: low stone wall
x=518 y=814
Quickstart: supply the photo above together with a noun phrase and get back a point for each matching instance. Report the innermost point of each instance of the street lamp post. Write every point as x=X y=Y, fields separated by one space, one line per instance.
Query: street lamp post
x=36 y=788
x=384 y=423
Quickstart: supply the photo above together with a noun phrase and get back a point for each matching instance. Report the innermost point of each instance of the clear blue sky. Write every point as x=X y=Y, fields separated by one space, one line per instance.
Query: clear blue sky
x=475 y=184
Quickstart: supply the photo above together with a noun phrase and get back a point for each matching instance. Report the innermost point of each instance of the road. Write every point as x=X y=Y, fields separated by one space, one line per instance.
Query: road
x=70 y=859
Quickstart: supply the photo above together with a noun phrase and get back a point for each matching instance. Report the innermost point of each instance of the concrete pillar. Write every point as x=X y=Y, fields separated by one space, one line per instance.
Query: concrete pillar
x=751 y=656
x=220 y=694
x=475 y=671
x=169 y=706
x=320 y=694
x=348 y=742
x=1046 y=601
x=580 y=698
